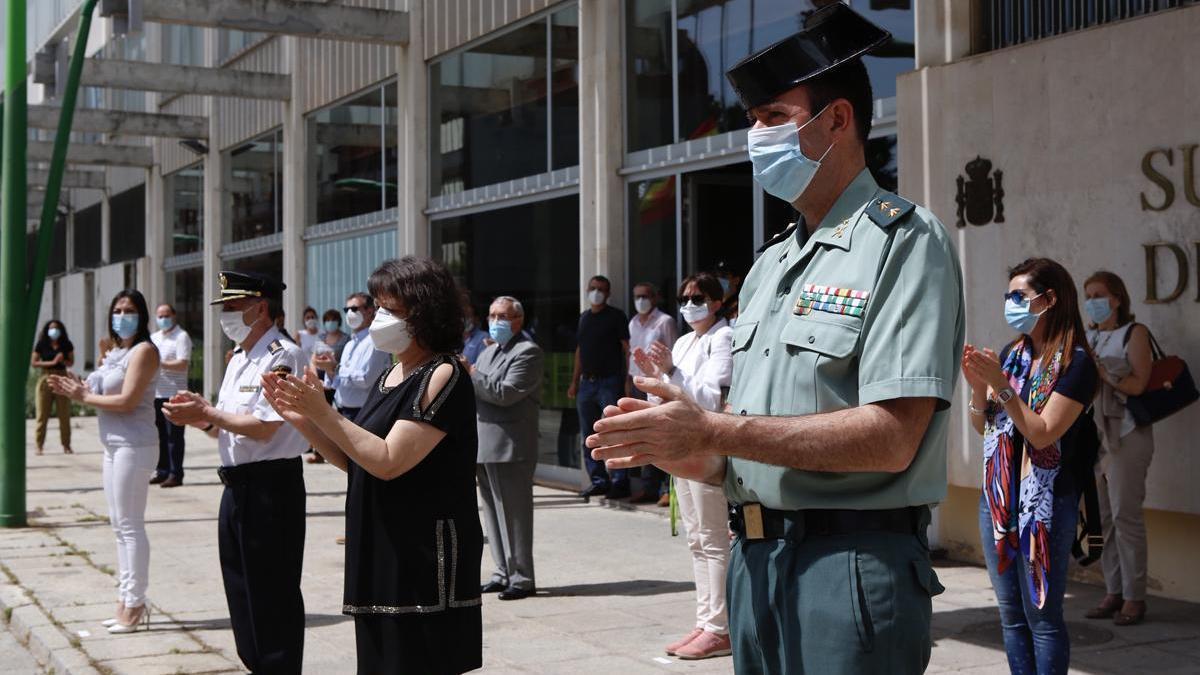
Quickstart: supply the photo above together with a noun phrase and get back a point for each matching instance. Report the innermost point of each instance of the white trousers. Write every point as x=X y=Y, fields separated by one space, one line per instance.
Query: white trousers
x=126 y=474
x=706 y=519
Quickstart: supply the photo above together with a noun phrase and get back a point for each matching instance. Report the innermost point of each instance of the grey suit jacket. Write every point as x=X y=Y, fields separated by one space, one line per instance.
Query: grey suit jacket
x=508 y=388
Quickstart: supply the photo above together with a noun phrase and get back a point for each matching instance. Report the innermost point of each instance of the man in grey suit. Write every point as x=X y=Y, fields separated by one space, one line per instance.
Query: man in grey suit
x=508 y=384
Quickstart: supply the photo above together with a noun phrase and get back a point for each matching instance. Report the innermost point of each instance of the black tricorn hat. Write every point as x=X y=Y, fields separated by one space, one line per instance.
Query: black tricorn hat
x=236 y=285
x=832 y=35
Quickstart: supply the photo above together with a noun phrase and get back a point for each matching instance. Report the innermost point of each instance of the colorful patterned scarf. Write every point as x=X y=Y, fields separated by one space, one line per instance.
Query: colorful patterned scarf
x=1028 y=532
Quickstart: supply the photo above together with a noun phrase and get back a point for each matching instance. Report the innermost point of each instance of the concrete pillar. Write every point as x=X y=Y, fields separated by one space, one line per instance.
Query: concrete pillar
x=943 y=31
x=601 y=146
x=105 y=228
x=413 y=138
x=296 y=190
x=158 y=238
x=216 y=219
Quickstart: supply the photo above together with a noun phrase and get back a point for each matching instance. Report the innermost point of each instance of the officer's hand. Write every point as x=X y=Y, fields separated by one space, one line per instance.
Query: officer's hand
x=187 y=408
x=645 y=364
x=643 y=433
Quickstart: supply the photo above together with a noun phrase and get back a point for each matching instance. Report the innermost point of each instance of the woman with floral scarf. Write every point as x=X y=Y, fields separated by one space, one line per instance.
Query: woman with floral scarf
x=1027 y=403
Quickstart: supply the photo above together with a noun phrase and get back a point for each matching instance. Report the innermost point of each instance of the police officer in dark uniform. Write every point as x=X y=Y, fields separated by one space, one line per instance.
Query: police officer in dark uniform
x=261 y=525
x=845 y=362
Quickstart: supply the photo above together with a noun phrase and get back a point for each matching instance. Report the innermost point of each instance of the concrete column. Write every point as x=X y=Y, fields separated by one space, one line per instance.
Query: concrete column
x=296 y=190
x=105 y=228
x=216 y=219
x=601 y=147
x=158 y=238
x=413 y=138
x=943 y=31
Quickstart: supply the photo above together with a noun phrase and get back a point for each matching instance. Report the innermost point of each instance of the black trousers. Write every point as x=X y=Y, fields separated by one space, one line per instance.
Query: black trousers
x=170 y=444
x=261 y=536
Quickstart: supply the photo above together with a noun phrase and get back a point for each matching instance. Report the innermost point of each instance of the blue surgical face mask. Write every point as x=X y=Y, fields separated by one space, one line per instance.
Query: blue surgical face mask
x=780 y=167
x=331 y=326
x=500 y=330
x=124 y=325
x=1019 y=315
x=164 y=322
x=1098 y=309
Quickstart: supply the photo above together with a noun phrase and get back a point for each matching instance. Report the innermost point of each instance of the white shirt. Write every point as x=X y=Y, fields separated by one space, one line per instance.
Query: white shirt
x=307 y=340
x=173 y=344
x=660 y=327
x=241 y=393
x=358 y=371
x=134 y=429
x=704 y=365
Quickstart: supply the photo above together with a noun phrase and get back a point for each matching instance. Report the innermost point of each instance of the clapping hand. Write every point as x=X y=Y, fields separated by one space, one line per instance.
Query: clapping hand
x=68 y=385
x=299 y=401
x=973 y=380
x=324 y=361
x=982 y=367
x=187 y=408
x=645 y=364
x=635 y=433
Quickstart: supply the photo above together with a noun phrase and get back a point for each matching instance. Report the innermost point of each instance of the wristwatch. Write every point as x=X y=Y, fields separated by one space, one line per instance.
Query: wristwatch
x=1005 y=395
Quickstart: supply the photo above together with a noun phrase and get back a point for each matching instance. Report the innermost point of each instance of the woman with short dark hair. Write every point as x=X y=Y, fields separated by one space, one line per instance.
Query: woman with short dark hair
x=53 y=353
x=122 y=392
x=413 y=538
x=1027 y=402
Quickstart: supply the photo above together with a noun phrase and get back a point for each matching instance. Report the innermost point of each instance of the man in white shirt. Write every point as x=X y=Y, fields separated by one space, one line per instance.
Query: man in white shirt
x=174 y=351
x=648 y=325
x=260 y=528
x=361 y=364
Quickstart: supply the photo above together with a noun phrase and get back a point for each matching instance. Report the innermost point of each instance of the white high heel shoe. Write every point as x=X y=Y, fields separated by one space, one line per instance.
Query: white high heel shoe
x=140 y=622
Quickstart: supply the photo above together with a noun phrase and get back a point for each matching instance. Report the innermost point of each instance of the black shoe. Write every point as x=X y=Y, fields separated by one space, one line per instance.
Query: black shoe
x=594 y=491
x=492 y=587
x=512 y=593
x=158 y=479
x=616 y=492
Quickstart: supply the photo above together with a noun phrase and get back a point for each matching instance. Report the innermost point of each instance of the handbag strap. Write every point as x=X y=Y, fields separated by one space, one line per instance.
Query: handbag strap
x=1156 y=351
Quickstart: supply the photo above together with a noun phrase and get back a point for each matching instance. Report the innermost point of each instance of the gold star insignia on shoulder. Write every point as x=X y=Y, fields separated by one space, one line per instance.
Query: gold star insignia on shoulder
x=893 y=213
x=884 y=206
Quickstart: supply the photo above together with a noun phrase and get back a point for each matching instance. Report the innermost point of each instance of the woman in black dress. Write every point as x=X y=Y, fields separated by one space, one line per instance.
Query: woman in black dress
x=413 y=540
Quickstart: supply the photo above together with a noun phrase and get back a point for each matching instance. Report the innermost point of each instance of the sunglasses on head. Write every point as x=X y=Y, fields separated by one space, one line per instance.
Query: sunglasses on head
x=697 y=299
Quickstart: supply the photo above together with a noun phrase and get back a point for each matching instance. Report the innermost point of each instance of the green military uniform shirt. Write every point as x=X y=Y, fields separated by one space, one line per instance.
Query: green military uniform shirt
x=868 y=309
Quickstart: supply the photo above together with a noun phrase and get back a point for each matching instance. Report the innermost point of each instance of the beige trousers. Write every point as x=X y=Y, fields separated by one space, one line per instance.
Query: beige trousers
x=706 y=518
x=62 y=406
x=1121 y=482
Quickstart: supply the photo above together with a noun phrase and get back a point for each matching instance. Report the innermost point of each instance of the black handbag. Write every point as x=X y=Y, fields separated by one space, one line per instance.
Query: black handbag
x=1170 y=389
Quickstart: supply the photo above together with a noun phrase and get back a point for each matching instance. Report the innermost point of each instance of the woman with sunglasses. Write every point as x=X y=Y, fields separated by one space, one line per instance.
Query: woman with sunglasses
x=1027 y=402
x=701 y=363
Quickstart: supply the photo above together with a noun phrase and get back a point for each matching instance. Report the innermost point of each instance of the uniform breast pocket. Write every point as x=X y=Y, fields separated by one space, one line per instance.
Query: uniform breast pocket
x=827 y=347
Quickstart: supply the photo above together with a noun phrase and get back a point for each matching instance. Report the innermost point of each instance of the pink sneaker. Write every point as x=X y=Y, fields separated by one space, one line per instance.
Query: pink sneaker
x=681 y=643
x=705 y=646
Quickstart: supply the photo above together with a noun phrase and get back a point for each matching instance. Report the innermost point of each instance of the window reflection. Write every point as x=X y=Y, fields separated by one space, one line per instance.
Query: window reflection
x=127 y=235
x=256 y=187
x=564 y=87
x=652 y=235
x=648 y=99
x=186 y=188
x=187 y=293
x=355 y=155
x=513 y=252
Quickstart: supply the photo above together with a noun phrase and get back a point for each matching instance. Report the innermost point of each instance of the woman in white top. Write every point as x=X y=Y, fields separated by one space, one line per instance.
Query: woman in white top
x=701 y=363
x=122 y=392
x=1124 y=358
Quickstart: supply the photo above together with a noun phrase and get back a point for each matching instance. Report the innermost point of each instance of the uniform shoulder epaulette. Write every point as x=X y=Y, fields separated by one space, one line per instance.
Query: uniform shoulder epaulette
x=887 y=209
x=275 y=347
x=787 y=232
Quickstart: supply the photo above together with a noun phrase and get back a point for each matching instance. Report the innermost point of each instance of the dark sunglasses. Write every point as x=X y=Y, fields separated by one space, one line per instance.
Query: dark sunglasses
x=1019 y=298
x=698 y=299
x=355 y=308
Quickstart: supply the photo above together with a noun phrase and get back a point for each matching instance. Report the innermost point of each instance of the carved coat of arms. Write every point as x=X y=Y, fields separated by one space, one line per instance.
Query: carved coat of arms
x=980 y=197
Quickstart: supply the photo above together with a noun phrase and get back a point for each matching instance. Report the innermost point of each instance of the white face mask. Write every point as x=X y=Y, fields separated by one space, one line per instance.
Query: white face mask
x=390 y=333
x=310 y=324
x=642 y=305
x=354 y=319
x=596 y=296
x=694 y=313
x=234 y=326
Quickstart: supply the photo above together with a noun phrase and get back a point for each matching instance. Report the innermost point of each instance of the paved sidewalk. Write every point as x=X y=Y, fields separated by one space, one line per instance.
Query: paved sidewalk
x=613 y=588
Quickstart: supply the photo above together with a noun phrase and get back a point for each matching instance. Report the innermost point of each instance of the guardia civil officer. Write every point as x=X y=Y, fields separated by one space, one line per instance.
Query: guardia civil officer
x=261 y=526
x=844 y=355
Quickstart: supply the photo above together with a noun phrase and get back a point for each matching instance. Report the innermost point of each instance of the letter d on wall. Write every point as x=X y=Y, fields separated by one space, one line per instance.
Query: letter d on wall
x=1181 y=266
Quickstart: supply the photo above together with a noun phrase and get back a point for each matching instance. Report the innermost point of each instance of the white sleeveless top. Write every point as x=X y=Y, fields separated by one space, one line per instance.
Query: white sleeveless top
x=1109 y=347
x=123 y=430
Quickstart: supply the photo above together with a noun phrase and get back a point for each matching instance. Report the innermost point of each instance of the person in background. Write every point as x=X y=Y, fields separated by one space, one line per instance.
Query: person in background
x=309 y=332
x=260 y=526
x=334 y=337
x=53 y=353
x=1124 y=359
x=599 y=379
x=649 y=325
x=281 y=326
x=174 y=353
x=122 y=392
x=1027 y=402
x=508 y=385
x=474 y=337
x=360 y=365
x=413 y=540
x=701 y=363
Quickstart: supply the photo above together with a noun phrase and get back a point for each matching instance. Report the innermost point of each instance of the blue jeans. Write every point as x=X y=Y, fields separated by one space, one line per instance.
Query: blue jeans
x=1035 y=640
x=592 y=397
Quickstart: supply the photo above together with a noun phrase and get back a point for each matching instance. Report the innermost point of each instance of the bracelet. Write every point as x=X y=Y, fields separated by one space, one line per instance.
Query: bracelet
x=976 y=411
x=208 y=428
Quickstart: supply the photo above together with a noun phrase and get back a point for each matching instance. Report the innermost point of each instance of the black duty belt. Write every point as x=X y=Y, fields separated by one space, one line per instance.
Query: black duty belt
x=755 y=521
x=243 y=473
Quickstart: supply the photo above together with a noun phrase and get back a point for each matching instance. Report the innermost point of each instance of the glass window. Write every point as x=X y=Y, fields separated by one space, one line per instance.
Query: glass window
x=340 y=267
x=648 y=99
x=256 y=187
x=187 y=293
x=514 y=251
x=489 y=112
x=564 y=83
x=652 y=236
x=87 y=238
x=717 y=208
x=127 y=228
x=187 y=210
x=355 y=155
x=57 y=262
x=183 y=45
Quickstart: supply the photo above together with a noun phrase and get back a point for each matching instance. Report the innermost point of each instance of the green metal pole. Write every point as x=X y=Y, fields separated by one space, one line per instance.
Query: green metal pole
x=12 y=269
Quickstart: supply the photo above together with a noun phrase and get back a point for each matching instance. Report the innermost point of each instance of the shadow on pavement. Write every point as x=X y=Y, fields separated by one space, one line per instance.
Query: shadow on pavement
x=633 y=587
